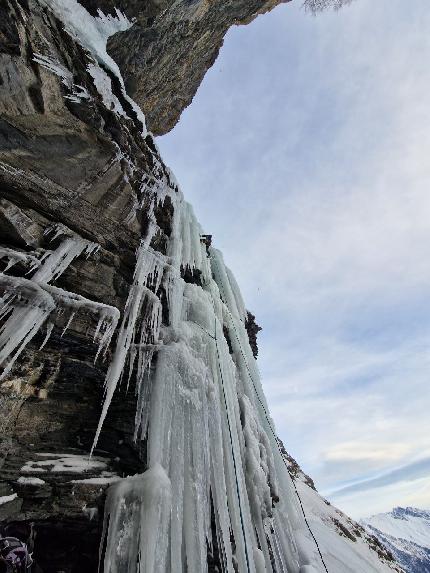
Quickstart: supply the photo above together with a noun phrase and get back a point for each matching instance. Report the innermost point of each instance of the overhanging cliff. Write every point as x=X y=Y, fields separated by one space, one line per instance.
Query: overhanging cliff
x=165 y=55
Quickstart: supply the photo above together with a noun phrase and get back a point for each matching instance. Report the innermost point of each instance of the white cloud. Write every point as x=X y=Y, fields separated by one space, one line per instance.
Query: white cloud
x=369 y=406
x=413 y=493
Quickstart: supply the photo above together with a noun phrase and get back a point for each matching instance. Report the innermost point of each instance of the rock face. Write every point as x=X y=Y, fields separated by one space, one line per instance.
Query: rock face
x=62 y=162
x=78 y=177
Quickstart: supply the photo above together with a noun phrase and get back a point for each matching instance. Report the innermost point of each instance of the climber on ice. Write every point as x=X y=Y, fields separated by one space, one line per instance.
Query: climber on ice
x=206 y=240
x=14 y=556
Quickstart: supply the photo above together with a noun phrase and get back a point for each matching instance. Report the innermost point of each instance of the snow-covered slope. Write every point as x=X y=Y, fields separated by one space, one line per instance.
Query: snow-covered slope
x=406 y=533
x=345 y=545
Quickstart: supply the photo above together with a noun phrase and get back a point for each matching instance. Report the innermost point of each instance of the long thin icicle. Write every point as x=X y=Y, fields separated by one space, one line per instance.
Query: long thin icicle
x=148 y=264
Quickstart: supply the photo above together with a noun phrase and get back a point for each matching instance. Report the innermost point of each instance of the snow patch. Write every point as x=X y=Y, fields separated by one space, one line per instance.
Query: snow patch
x=30 y=481
x=64 y=463
x=7 y=498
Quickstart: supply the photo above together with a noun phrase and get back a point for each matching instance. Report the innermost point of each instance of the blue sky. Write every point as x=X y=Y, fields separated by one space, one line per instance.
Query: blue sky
x=306 y=154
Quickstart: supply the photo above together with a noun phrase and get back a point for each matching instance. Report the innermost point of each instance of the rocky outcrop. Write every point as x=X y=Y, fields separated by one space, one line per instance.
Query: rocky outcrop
x=165 y=55
x=294 y=469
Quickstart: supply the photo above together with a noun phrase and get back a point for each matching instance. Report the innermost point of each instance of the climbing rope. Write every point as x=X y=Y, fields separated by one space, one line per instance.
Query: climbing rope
x=202 y=328
x=271 y=427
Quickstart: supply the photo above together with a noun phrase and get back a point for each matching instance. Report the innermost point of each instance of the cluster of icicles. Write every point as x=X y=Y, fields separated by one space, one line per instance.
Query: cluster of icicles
x=28 y=303
x=213 y=462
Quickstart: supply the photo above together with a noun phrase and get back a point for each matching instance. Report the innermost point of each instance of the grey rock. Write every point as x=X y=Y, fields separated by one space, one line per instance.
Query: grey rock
x=165 y=55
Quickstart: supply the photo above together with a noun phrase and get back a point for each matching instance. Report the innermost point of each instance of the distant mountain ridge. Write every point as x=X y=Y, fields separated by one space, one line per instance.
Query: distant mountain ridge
x=406 y=533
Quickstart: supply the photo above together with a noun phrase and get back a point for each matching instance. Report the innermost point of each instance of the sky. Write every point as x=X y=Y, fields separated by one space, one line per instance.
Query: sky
x=305 y=153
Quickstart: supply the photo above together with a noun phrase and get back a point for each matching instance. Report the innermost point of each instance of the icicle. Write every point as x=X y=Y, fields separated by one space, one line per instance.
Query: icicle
x=148 y=264
x=69 y=322
x=58 y=261
x=49 y=328
x=108 y=316
x=91 y=249
x=13 y=257
x=106 y=325
x=28 y=306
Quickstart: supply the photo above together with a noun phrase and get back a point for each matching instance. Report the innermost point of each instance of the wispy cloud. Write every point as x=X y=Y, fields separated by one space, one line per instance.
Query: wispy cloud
x=410 y=492
x=410 y=472
x=305 y=153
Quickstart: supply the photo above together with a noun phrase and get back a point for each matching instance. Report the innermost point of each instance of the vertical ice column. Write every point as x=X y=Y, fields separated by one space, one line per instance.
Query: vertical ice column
x=194 y=432
x=137 y=517
x=193 y=252
x=287 y=524
x=237 y=496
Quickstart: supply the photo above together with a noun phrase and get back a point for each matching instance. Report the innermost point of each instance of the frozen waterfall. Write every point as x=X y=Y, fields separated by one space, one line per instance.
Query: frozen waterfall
x=216 y=481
